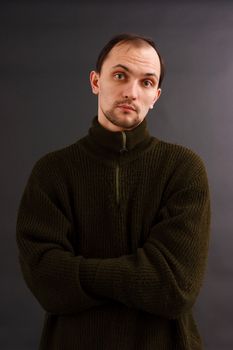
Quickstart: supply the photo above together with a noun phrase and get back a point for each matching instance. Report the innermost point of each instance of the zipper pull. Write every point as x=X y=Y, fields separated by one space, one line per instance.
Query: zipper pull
x=124 y=149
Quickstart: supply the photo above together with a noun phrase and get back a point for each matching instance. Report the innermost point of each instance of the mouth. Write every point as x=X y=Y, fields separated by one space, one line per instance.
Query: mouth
x=127 y=107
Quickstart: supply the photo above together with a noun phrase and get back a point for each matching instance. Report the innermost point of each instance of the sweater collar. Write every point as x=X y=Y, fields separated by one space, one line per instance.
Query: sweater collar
x=119 y=141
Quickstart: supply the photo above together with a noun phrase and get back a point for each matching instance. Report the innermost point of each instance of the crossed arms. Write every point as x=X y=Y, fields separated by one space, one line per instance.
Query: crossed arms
x=163 y=277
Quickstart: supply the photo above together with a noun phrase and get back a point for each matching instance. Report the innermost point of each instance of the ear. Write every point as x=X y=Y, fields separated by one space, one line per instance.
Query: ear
x=158 y=93
x=94 y=80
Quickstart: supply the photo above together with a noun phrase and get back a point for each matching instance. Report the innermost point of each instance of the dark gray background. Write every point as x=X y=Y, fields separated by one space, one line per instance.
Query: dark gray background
x=46 y=53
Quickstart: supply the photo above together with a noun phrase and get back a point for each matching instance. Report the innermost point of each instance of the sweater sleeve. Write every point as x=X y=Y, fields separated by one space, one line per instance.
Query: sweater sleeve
x=165 y=275
x=46 y=255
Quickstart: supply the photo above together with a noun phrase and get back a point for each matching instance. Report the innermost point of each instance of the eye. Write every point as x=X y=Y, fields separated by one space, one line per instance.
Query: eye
x=119 y=76
x=147 y=83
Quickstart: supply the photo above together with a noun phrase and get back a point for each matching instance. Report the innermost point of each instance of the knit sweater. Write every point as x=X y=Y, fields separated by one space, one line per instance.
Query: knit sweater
x=113 y=235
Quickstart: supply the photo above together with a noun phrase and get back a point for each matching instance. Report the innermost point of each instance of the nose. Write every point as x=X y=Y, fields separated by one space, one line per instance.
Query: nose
x=130 y=90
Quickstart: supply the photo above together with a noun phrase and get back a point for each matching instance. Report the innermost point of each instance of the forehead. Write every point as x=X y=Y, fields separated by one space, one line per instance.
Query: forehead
x=142 y=56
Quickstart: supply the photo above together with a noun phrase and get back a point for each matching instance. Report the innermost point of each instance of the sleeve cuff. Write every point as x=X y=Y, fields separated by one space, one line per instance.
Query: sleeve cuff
x=87 y=273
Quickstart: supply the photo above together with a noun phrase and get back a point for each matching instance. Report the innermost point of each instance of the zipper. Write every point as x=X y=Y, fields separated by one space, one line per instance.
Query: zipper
x=124 y=149
x=117 y=184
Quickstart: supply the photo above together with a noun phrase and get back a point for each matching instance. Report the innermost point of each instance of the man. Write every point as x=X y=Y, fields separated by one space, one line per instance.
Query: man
x=113 y=230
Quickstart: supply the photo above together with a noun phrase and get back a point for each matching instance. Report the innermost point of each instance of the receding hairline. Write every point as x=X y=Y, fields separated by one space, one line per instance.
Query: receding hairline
x=136 y=42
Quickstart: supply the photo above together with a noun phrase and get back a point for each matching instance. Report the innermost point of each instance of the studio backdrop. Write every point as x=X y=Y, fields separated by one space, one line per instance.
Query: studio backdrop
x=47 y=50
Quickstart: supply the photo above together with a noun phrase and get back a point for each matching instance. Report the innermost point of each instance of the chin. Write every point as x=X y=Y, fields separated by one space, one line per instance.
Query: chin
x=128 y=123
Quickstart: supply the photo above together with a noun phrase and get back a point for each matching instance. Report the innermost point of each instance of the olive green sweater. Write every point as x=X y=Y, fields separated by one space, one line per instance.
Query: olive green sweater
x=113 y=237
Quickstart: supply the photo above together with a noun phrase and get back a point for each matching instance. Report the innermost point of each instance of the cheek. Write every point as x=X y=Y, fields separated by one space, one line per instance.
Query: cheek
x=107 y=94
x=148 y=101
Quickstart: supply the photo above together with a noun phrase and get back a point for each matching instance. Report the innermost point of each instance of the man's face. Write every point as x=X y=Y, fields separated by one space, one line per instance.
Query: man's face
x=127 y=86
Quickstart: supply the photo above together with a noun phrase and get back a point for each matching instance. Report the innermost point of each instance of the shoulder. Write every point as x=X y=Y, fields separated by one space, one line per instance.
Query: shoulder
x=180 y=162
x=54 y=165
x=179 y=155
x=51 y=159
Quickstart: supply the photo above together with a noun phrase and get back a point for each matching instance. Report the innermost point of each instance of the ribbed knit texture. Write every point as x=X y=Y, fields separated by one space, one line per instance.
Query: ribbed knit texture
x=113 y=243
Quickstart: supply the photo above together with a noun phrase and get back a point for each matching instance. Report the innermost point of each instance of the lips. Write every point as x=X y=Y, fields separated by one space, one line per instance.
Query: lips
x=128 y=107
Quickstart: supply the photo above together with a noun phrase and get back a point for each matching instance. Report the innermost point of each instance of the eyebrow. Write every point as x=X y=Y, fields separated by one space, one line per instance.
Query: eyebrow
x=128 y=70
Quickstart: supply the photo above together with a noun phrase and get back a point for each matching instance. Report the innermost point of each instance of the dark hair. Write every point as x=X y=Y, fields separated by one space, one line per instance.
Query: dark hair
x=125 y=37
